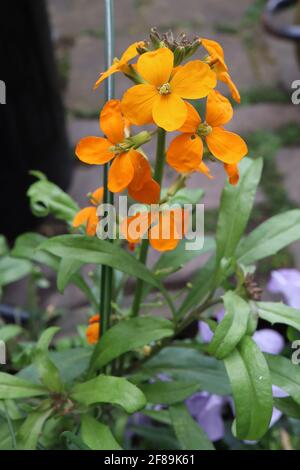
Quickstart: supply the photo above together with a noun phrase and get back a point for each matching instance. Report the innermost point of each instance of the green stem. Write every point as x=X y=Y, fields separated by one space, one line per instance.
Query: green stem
x=158 y=176
x=108 y=197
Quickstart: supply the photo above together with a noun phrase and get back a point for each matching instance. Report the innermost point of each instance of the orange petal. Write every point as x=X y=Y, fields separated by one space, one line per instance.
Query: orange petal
x=194 y=80
x=137 y=104
x=120 y=173
x=205 y=170
x=94 y=318
x=225 y=77
x=97 y=196
x=226 y=146
x=116 y=67
x=215 y=51
x=112 y=121
x=94 y=150
x=92 y=333
x=134 y=228
x=185 y=153
x=164 y=236
x=192 y=121
x=131 y=52
x=142 y=170
x=149 y=193
x=218 y=109
x=233 y=173
x=87 y=216
x=169 y=112
x=156 y=66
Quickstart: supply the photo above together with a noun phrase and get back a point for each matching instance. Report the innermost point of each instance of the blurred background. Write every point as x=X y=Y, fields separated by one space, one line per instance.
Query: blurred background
x=53 y=52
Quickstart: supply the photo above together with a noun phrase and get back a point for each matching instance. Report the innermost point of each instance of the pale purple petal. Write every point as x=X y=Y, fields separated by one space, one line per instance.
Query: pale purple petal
x=204 y=329
x=207 y=410
x=205 y=332
x=269 y=341
x=287 y=283
x=278 y=392
x=276 y=415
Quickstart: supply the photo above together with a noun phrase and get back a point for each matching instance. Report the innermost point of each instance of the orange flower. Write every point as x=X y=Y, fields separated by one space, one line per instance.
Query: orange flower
x=93 y=330
x=88 y=215
x=160 y=98
x=218 y=64
x=164 y=228
x=129 y=169
x=233 y=173
x=186 y=151
x=120 y=65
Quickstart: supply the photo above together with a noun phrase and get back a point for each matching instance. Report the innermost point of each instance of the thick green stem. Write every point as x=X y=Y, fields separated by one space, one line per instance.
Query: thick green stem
x=158 y=176
x=108 y=197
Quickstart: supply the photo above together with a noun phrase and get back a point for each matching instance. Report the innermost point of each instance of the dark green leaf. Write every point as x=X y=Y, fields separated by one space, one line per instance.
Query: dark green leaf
x=11 y=270
x=96 y=251
x=168 y=393
x=233 y=326
x=67 y=268
x=188 y=432
x=31 y=429
x=9 y=332
x=71 y=364
x=288 y=407
x=236 y=206
x=250 y=379
x=189 y=365
x=128 y=335
x=285 y=375
x=270 y=237
x=96 y=435
x=275 y=312
x=200 y=290
x=12 y=387
x=107 y=389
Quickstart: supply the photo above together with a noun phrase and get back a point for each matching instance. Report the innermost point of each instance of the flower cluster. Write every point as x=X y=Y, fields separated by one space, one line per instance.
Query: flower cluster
x=166 y=93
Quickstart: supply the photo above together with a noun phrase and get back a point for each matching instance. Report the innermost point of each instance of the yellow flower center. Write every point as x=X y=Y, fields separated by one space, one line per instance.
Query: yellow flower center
x=204 y=129
x=165 y=89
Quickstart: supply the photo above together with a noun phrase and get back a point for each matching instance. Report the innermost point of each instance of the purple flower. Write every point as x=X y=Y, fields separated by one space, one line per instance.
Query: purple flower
x=207 y=410
x=287 y=283
x=269 y=341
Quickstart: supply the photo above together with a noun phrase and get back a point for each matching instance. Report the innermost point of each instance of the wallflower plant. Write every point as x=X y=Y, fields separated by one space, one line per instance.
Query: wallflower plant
x=84 y=396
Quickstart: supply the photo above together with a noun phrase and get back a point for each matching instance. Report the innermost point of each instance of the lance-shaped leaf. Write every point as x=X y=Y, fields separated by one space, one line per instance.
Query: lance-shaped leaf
x=128 y=335
x=11 y=270
x=236 y=206
x=107 y=389
x=200 y=290
x=47 y=371
x=168 y=393
x=188 y=432
x=96 y=251
x=275 y=312
x=12 y=387
x=9 y=332
x=270 y=237
x=96 y=435
x=31 y=429
x=285 y=375
x=233 y=326
x=250 y=379
x=67 y=268
x=26 y=248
